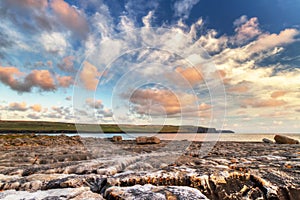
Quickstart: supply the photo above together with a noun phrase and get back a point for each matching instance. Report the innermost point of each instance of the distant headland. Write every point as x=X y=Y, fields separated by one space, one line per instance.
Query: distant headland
x=61 y=127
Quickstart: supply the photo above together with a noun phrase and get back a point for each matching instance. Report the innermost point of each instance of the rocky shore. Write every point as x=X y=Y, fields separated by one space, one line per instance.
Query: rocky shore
x=61 y=167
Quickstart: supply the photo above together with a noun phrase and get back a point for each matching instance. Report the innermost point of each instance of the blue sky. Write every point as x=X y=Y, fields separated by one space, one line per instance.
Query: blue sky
x=226 y=64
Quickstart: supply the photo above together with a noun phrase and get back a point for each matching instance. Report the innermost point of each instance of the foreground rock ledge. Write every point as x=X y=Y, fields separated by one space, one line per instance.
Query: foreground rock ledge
x=47 y=167
x=153 y=192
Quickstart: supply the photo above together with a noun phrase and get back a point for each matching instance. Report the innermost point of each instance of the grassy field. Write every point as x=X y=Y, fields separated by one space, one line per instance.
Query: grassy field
x=59 y=127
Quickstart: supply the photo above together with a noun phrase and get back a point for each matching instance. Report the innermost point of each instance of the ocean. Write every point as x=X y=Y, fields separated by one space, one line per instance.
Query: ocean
x=236 y=137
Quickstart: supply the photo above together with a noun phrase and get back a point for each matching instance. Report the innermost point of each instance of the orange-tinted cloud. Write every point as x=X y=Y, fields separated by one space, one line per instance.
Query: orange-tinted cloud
x=89 y=76
x=204 y=106
x=191 y=74
x=36 y=107
x=70 y=17
x=221 y=74
x=277 y=94
x=12 y=77
x=256 y=103
x=8 y=74
x=238 y=89
x=65 y=81
x=97 y=103
x=267 y=41
x=247 y=30
x=67 y=64
x=15 y=106
x=163 y=101
x=40 y=78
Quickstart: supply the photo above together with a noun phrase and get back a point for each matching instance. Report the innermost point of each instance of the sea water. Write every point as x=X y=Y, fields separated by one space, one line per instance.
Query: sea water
x=236 y=137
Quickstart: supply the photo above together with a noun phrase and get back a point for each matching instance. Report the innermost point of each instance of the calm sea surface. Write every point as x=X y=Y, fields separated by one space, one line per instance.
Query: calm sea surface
x=245 y=137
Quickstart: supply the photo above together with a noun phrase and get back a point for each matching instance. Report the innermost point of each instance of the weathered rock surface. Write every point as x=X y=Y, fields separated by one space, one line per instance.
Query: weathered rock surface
x=8 y=140
x=281 y=139
x=149 y=191
x=59 y=194
x=147 y=140
x=222 y=185
x=93 y=168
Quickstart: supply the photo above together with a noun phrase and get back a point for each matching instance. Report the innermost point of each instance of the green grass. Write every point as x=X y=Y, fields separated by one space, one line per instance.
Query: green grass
x=35 y=126
x=60 y=127
x=53 y=127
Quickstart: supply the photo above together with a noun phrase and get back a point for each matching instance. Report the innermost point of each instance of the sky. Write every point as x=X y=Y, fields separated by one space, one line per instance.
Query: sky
x=225 y=64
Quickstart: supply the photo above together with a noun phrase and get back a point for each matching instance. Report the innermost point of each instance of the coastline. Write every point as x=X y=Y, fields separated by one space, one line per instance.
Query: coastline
x=200 y=137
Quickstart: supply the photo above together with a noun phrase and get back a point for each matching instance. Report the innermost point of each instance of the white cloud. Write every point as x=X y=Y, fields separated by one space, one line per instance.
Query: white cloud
x=267 y=41
x=247 y=30
x=147 y=19
x=243 y=19
x=183 y=8
x=126 y=24
x=54 y=42
x=211 y=43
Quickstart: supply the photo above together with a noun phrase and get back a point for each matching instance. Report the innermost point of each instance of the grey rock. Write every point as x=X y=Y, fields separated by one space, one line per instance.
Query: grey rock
x=148 y=191
x=60 y=194
x=266 y=140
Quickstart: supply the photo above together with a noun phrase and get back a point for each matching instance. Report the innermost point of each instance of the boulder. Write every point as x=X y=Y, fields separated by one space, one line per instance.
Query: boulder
x=117 y=138
x=266 y=140
x=147 y=140
x=280 y=139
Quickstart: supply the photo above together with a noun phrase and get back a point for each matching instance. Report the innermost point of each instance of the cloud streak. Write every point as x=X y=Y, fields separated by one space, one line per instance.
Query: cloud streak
x=256 y=103
x=182 y=8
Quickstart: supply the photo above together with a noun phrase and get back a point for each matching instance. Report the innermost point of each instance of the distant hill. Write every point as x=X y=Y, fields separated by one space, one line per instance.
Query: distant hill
x=212 y=130
x=61 y=127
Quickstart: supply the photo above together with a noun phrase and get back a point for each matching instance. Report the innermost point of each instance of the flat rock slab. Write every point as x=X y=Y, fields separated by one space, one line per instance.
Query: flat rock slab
x=57 y=194
x=139 y=192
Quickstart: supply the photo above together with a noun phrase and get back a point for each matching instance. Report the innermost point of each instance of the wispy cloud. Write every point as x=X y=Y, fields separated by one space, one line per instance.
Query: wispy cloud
x=183 y=8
